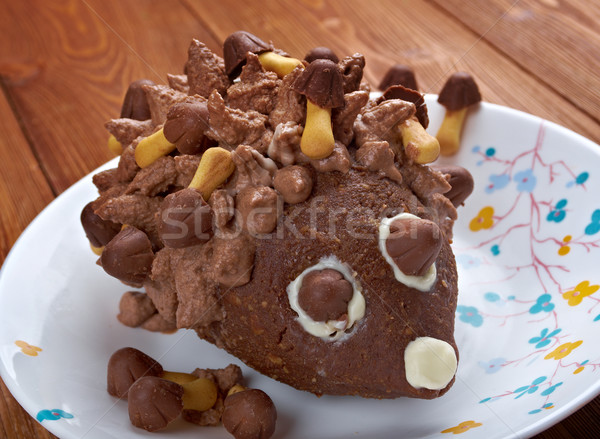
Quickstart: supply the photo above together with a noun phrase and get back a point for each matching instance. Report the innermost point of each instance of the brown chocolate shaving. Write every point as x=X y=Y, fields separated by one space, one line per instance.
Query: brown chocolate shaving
x=135 y=104
x=205 y=71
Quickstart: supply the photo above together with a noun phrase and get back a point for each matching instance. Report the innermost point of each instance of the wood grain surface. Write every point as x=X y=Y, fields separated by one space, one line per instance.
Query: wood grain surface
x=65 y=65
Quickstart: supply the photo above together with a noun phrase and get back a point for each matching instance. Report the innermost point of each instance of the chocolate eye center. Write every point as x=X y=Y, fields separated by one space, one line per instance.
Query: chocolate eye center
x=324 y=295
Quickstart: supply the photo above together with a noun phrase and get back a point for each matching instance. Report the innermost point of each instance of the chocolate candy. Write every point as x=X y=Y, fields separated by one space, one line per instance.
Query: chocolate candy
x=461 y=181
x=98 y=231
x=154 y=403
x=322 y=83
x=185 y=219
x=250 y=414
x=235 y=48
x=135 y=105
x=459 y=91
x=324 y=295
x=294 y=183
x=321 y=53
x=127 y=365
x=410 y=95
x=258 y=209
x=128 y=256
x=185 y=127
x=414 y=244
x=399 y=74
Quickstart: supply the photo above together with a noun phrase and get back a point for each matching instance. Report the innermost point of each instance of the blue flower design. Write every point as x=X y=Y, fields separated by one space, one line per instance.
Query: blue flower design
x=544 y=339
x=497 y=182
x=551 y=389
x=476 y=149
x=543 y=303
x=594 y=226
x=493 y=365
x=531 y=388
x=558 y=213
x=470 y=315
x=546 y=406
x=597 y=318
x=582 y=178
x=468 y=261
x=490 y=152
x=495 y=249
x=52 y=415
x=526 y=181
x=491 y=296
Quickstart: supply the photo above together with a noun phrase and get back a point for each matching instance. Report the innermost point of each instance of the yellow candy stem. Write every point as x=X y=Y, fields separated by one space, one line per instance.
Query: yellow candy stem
x=317 y=138
x=114 y=145
x=418 y=144
x=178 y=377
x=450 y=131
x=282 y=65
x=200 y=394
x=97 y=250
x=152 y=148
x=214 y=168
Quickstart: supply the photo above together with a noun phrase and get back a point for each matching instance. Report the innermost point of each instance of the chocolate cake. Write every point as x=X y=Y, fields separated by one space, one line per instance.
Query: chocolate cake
x=276 y=208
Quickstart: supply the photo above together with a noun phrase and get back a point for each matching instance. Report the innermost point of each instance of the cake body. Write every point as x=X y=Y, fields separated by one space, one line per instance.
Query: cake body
x=233 y=225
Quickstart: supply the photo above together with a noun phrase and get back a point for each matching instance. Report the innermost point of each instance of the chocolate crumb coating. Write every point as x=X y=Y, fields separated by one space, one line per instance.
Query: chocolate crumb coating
x=321 y=53
x=125 y=366
x=250 y=414
x=154 y=403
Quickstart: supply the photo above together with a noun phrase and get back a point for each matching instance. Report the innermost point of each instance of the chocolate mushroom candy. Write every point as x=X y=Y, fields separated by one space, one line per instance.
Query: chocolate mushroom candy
x=135 y=104
x=154 y=403
x=128 y=256
x=239 y=43
x=459 y=93
x=399 y=74
x=322 y=84
x=321 y=53
x=98 y=231
x=215 y=167
x=185 y=219
x=127 y=365
x=249 y=414
x=186 y=125
x=414 y=245
x=151 y=148
x=324 y=295
x=419 y=146
x=294 y=183
x=459 y=179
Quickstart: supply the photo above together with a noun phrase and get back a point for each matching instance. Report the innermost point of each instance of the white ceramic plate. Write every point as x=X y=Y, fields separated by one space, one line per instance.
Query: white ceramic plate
x=527 y=245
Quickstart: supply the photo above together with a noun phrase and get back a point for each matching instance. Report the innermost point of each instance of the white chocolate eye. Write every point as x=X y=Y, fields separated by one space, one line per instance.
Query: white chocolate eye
x=333 y=329
x=421 y=283
x=429 y=363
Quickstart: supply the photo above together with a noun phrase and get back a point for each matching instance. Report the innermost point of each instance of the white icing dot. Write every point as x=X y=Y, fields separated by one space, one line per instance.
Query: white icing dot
x=429 y=363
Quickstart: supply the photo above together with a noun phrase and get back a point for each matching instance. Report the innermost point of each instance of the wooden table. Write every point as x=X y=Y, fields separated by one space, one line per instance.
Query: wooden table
x=65 y=65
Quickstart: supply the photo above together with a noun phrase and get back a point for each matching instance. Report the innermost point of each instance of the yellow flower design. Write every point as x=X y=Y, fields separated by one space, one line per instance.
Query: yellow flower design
x=564 y=249
x=462 y=427
x=28 y=349
x=583 y=289
x=483 y=220
x=563 y=350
